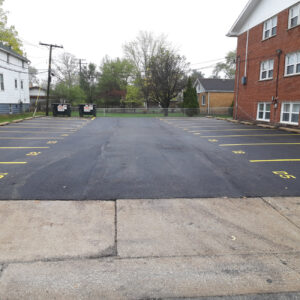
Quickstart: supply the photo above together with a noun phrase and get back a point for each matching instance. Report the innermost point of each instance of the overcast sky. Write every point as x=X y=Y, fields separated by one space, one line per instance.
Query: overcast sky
x=91 y=29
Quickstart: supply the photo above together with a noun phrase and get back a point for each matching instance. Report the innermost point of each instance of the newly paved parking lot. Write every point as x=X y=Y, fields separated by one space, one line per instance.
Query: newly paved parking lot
x=116 y=158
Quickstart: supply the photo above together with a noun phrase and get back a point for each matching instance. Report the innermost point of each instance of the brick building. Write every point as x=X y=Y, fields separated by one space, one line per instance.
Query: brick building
x=215 y=96
x=267 y=84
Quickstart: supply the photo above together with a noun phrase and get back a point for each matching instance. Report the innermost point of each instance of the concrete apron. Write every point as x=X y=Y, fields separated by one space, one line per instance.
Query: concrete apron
x=137 y=249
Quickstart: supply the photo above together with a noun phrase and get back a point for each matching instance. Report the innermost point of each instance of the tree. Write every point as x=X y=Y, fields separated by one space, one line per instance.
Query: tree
x=134 y=96
x=66 y=69
x=115 y=75
x=88 y=79
x=33 y=78
x=167 y=71
x=190 y=99
x=8 y=34
x=195 y=75
x=228 y=68
x=140 y=52
x=63 y=92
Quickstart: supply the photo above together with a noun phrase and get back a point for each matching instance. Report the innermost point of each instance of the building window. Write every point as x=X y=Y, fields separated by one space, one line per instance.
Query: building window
x=22 y=84
x=7 y=58
x=16 y=83
x=1 y=82
x=264 y=111
x=294 y=16
x=203 y=100
x=267 y=69
x=270 y=28
x=23 y=64
x=290 y=113
x=292 y=64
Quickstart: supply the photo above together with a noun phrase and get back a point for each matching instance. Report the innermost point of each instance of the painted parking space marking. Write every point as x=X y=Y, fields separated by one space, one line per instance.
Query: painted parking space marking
x=51 y=142
x=24 y=147
x=258 y=144
x=284 y=175
x=2 y=175
x=276 y=160
x=39 y=127
x=13 y=162
x=239 y=152
x=30 y=138
x=33 y=153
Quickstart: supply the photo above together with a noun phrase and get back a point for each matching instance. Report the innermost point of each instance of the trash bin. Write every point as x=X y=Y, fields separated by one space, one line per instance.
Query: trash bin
x=59 y=109
x=87 y=109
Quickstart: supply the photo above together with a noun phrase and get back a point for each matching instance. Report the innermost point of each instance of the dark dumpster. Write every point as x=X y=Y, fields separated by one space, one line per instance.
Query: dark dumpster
x=61 y=109
x=87 y=109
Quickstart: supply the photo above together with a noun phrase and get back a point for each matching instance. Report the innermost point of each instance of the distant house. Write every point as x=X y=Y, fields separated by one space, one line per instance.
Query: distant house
x=268 y=62
x=38 y=97
x=215 y=96
x=14 y=81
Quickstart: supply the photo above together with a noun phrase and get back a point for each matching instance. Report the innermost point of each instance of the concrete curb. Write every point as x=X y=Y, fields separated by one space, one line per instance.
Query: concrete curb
x=291 y=130
x=19 y=120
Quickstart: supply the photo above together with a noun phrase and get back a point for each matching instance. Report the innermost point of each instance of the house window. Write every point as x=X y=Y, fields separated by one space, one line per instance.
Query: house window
x=203 y=100
x=294 y=16
x=270 y=28
x=22 y=84
x=290 y=113
x=264 y=111
x=23 y=64
x=292 y=64
x=1 y=82
x=267 y=69
x=7 y=58
x=16 y=83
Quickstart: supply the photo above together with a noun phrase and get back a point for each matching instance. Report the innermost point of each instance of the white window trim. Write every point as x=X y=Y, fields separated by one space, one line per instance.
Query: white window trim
x=281 y=113
x=203 y=103
x=295 y=64
x=267 y=70
x=297 y=6
x=264 y=111
x=271 y=28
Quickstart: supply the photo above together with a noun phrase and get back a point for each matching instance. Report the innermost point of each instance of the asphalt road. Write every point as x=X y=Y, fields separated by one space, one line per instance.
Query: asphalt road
x=131 y=158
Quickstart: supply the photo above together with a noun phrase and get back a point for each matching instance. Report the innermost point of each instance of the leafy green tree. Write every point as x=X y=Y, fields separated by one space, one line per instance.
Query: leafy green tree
x=190 y=99
x=88 y=81
x=228 y=68
x=140 y=52
x=134 y=97
x=63 y=92
x=115 y=74
x=8 y=34
x=167 y=71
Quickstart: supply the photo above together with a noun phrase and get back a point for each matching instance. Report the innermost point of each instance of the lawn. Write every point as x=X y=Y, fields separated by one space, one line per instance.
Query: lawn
x=10 y=118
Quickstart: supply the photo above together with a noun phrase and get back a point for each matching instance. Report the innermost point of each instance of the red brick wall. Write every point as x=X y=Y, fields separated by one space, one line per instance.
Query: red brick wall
x=258 y=91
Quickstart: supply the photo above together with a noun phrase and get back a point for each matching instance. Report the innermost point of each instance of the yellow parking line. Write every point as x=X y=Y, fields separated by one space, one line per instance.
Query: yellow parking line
x=235 y=130
x=24 y=147
x=258 y=144
x=93 y=118
x=246 y=135
x=43 y=127
x=275 y=160
x=30 y=138
x=38 y=132
x=13 y=162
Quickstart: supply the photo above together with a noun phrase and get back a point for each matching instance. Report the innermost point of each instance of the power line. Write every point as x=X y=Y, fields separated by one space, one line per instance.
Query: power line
x=51 y=46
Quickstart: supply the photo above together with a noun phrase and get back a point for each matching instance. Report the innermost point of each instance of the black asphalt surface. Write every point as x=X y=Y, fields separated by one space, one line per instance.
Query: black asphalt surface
x=131 y=158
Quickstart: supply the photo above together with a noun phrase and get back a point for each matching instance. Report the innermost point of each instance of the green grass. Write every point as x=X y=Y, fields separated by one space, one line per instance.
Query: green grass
x=10 y=118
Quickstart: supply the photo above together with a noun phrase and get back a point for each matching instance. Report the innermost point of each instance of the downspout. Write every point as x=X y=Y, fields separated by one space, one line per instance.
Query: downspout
x=275 y=101
x=208 y=103
x=238 y=85
x=246 y=55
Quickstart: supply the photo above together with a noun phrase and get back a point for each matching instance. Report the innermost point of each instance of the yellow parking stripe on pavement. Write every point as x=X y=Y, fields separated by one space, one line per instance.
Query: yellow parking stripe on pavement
x=38 y=132
x=258 y=144
x=24 y=147
x=13 y=162
x=38 y=127
x=30 y=138
x=276 y=160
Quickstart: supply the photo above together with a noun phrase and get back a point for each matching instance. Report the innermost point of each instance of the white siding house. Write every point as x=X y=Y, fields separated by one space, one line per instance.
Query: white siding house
x=14 y=81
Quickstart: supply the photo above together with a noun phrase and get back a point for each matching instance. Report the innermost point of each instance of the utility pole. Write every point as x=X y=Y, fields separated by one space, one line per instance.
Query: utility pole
x=49 y=72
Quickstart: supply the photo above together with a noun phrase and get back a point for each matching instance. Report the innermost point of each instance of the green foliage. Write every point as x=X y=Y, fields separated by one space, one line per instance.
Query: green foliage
x=228 y=68
x=8 y=34
x=190 y=99
x=74 y=94
x=134 y=97
x=113 y=81
x=88 y=78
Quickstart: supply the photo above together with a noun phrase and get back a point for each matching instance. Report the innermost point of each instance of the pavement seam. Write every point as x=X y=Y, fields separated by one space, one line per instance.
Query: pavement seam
x=116 y=229
x=281 y=214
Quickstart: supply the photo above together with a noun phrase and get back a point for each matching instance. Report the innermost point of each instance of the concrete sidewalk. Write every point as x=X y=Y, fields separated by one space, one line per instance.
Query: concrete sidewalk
x=241 y=249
